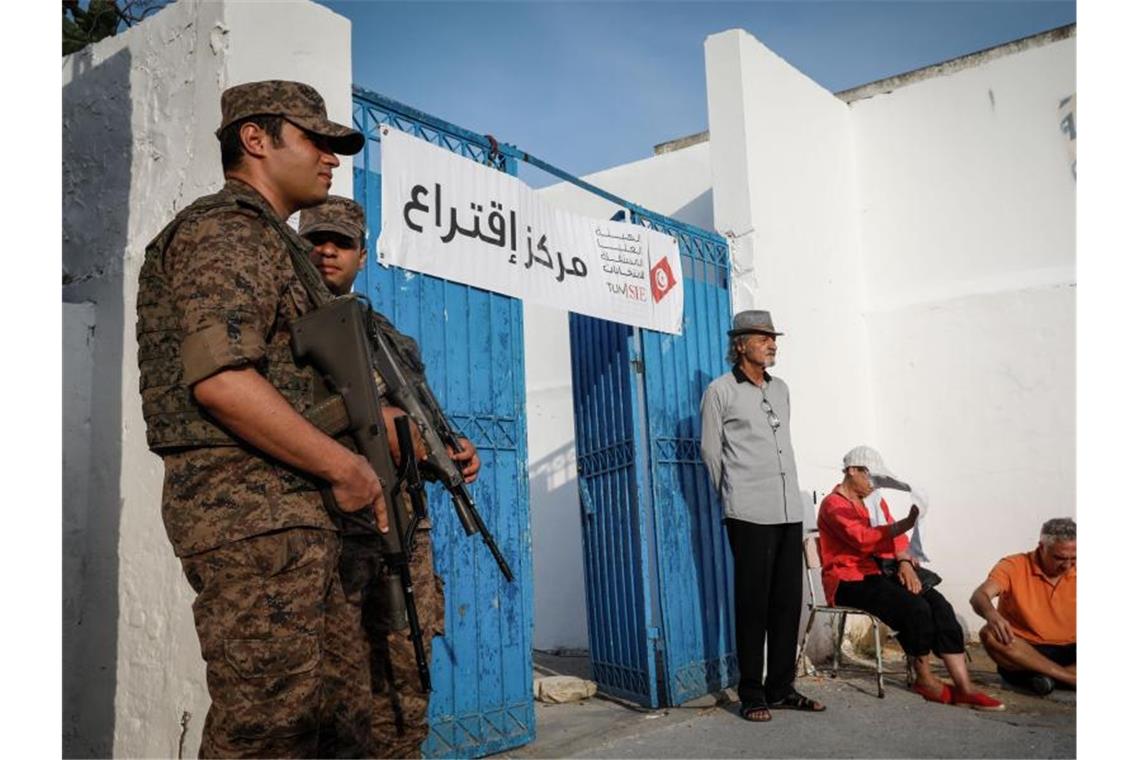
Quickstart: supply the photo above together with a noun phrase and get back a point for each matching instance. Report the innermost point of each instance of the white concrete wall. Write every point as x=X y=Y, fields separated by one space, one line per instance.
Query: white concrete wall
x=918 y=249
x=139 y=111
x=78 y=373
x=967 y=202
x=783 y=176
x=676 y=184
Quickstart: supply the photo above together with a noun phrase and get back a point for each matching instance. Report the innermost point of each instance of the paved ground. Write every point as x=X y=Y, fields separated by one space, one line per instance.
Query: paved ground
x=856 y=724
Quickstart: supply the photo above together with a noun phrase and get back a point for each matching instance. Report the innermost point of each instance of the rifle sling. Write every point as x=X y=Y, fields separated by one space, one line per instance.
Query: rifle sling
x=310 y=278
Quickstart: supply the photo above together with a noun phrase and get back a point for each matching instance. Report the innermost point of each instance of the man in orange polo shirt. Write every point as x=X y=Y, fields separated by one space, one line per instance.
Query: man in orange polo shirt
x=1032 y=634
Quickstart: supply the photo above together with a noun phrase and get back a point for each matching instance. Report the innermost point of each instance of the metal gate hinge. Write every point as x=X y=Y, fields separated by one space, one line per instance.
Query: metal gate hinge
x=638 y=366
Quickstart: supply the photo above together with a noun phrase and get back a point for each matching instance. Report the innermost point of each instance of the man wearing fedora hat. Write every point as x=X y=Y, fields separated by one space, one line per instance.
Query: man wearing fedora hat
x=224 y=403
x=747 y=447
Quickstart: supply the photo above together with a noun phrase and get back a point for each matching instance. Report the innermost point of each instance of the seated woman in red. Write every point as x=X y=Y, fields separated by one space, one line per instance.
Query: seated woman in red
x=852 y=550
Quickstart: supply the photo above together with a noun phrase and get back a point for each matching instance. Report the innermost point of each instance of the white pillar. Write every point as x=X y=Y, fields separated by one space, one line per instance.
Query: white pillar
x=139 y=112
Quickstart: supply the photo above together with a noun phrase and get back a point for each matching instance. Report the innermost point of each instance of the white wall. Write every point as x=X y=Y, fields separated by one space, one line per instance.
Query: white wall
x=783 y=176
x=78 y=373
x=677 y=184
x=967 y=202
x=139 y=111
x=917 y=247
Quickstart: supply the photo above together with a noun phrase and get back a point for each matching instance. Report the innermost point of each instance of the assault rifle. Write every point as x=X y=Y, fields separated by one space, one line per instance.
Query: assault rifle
x=334 y=338
x=409 y=477
x=419 y=403
x=340 y=340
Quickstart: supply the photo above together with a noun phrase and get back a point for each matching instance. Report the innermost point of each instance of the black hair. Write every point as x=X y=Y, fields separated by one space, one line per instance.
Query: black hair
x=230 y=137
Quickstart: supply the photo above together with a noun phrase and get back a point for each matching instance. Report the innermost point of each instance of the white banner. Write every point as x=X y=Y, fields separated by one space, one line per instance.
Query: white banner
x=451 y=217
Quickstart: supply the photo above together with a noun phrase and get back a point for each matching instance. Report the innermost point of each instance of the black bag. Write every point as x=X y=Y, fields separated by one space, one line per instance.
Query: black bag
x=928 y=578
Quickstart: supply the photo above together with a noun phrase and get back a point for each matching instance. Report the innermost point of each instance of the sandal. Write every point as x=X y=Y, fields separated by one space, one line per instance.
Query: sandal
x=797 y=701
x=755 y=713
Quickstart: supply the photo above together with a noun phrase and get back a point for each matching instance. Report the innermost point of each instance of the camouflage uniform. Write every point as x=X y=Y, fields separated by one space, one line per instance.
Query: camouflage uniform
x=399 y=707
x=217 y=290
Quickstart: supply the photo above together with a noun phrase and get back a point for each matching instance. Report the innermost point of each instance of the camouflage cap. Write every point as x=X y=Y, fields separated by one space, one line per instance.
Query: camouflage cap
x=337 y=214
x=299 y=103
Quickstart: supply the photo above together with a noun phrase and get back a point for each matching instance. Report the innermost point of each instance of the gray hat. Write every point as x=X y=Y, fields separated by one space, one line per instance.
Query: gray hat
x=337 y=214
x=865 y=456
x=296 y=102
x=754 y=321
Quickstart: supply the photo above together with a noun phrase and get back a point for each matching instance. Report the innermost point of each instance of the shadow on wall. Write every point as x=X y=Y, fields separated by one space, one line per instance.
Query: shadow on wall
x=96 y=196
x=697 y=212
x=559 y=574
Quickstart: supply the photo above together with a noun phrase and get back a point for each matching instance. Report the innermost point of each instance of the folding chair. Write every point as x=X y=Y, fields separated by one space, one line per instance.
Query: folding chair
x=813 y=562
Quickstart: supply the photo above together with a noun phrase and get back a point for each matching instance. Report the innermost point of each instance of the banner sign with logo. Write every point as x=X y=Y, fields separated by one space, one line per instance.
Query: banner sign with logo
x=448 y=216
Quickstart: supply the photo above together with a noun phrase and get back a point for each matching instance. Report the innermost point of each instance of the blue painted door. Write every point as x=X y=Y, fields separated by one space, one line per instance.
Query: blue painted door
x=481 y=668
x=694 y=562
x=612 y=489
x=658 y=568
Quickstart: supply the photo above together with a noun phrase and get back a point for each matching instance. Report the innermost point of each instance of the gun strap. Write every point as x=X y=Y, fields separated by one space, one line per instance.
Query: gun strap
x=310 y=278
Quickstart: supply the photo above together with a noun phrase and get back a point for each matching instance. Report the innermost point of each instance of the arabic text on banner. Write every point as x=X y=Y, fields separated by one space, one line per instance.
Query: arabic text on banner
x=448 y=216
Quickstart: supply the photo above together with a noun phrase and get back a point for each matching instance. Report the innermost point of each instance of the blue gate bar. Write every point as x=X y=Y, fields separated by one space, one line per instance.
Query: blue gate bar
x=480 y=148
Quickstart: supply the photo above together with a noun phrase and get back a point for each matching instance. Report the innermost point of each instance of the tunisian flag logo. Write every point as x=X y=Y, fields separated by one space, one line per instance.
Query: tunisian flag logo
x=661 y=279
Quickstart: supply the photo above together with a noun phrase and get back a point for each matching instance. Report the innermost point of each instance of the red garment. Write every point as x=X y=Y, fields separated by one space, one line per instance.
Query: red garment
x=848 y=543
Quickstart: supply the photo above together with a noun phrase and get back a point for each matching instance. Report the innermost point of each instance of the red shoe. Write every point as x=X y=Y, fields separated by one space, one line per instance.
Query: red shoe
x=943 y=698
x=978 y=701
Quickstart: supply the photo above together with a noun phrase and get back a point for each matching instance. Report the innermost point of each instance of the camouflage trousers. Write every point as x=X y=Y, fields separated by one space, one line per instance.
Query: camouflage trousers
x=286 y=666
x=399 y=706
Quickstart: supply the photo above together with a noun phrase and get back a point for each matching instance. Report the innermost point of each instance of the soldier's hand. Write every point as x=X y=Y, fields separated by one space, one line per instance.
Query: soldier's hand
x=358 y=487
x=467 y=459
x=391 y=414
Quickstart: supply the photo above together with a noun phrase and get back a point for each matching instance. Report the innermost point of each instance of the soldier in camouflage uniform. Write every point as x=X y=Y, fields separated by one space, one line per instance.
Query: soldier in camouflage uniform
x=224 y=402
x=399 y=713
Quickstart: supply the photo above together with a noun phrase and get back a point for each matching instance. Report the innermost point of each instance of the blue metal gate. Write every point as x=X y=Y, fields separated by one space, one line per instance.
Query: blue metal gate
x=658 y=569
x=611 y=484
x=482 y=667
x=694 y=563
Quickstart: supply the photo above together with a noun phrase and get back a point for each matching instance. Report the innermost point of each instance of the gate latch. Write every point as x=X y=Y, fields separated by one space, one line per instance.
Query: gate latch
x=638 y=365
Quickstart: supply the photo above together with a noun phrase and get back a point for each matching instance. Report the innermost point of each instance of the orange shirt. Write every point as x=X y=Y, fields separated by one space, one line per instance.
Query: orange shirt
x=1037 y=610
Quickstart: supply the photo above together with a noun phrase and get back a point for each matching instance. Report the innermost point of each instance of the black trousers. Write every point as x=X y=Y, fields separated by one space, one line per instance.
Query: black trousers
x=925 y=622
x=769 y=600
x=1062 y=654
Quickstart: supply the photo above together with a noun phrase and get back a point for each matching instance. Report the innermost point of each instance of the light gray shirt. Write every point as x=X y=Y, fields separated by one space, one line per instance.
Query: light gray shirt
x=748 y=451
